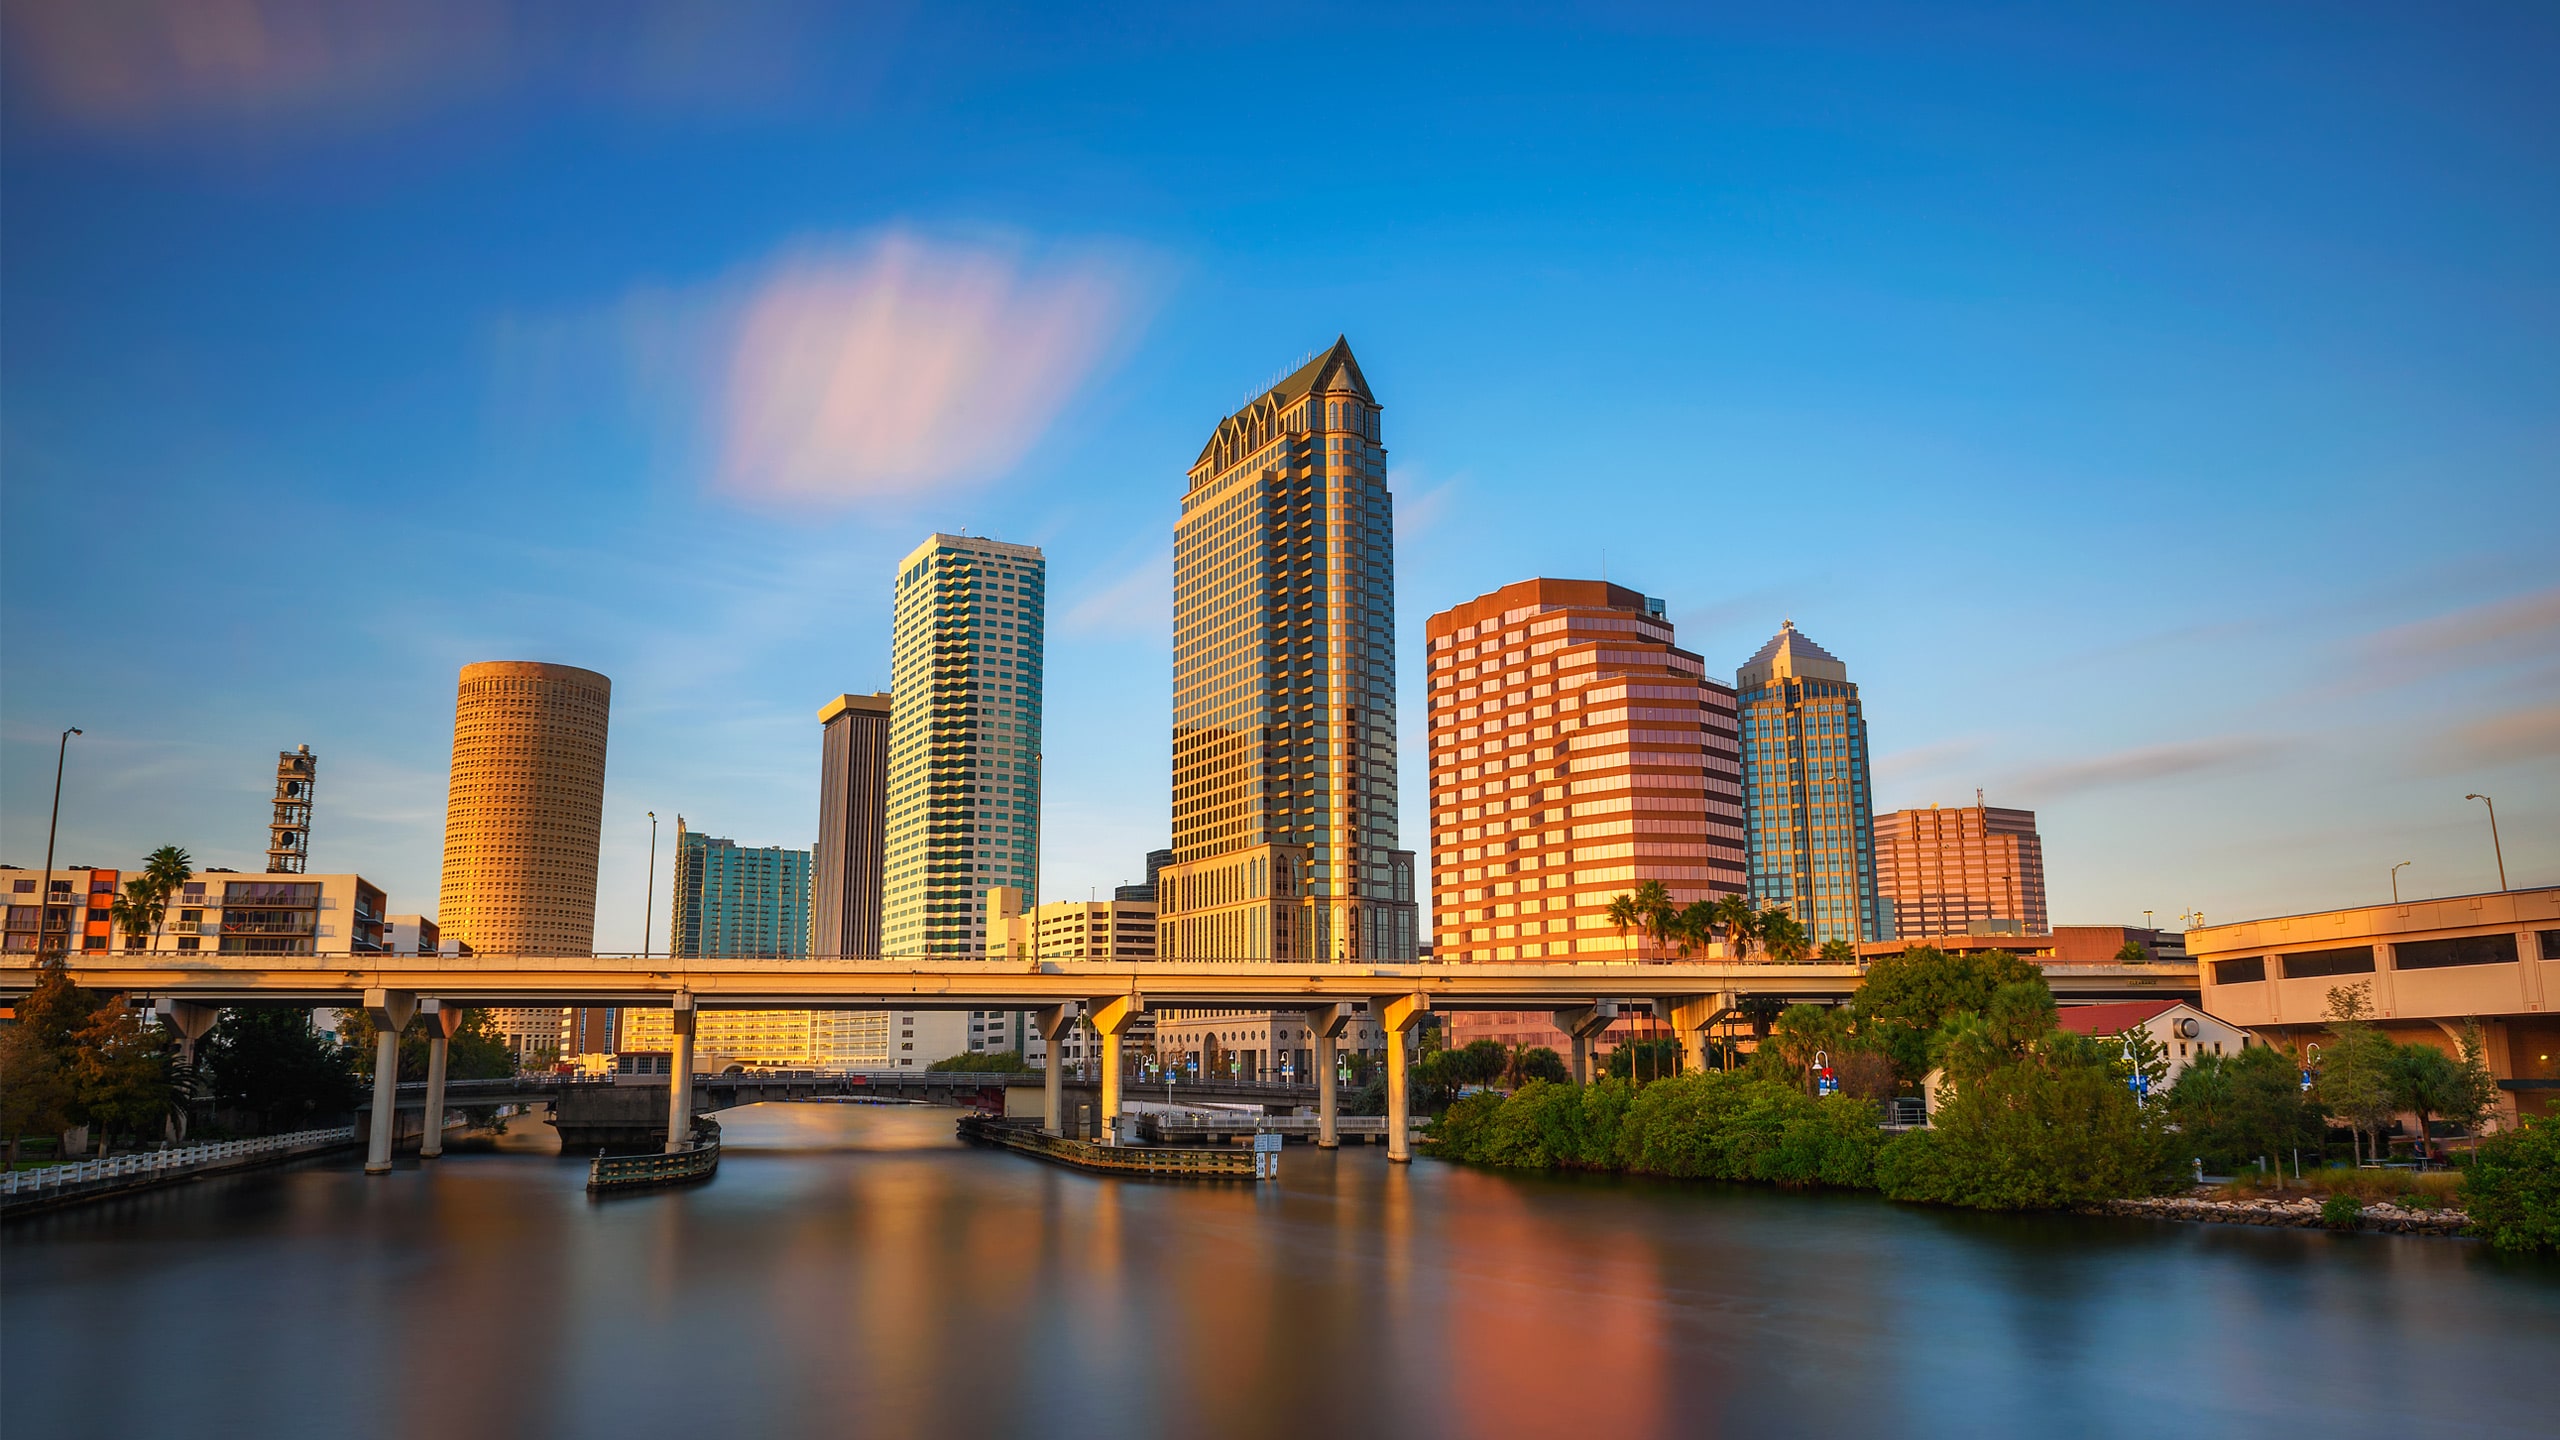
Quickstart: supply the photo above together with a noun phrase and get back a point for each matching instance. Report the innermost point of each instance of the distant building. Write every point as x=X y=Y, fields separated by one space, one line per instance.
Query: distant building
x=964 y=740
x=1576 y=753
x=1806 y=790
x=1254 y=1044
x=1284 y=685
x=732 y=900
x=2427 y=967
x=1943 y=871
x=412 y=935
x=2183 y=1032
x=1065 y=930
x=1156 y=860
x=525 y=810
x=747 y=901
x=853 y=812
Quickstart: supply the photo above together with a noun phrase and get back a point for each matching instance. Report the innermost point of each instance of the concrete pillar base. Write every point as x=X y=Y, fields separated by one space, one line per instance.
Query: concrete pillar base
x=391 y=1010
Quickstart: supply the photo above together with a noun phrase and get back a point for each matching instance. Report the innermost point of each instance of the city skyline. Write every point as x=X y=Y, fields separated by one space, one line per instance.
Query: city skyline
x=2249 y=501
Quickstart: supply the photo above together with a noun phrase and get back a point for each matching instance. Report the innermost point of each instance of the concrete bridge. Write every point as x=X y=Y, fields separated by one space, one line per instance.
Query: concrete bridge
x=190 y=988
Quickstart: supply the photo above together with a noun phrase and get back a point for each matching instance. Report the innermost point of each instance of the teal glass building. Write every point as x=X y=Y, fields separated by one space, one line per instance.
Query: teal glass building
x=1808 y=804
x=732 y=899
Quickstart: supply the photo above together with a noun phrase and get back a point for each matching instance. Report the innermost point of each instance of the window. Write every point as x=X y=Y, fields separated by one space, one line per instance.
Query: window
x=2459 y=950
x=2348 y=960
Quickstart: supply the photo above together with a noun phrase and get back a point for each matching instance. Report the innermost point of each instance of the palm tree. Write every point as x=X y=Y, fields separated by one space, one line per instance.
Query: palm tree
x=1839 y=952
x=1661 y=917
x=1784 y=938
x=1741 y=923
x=166 y=868
x=1622 y=912
x=1696 y=925
x=137 y=912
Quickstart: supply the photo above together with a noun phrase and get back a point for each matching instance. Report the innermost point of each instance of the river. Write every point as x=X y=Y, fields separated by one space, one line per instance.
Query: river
x=855 y=1271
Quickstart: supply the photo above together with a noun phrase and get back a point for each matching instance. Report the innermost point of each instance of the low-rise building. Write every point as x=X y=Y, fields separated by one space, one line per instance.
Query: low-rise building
x=2427 y=969
x=1115 y=929
x=222 y=911
x=2182 y=1031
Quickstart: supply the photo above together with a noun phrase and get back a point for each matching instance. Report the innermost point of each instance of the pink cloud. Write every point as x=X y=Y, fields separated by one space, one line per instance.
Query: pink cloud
x=901 y=365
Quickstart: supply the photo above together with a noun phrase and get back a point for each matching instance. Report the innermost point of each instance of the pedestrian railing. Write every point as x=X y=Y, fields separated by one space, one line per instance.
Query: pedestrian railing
x=119 y=1169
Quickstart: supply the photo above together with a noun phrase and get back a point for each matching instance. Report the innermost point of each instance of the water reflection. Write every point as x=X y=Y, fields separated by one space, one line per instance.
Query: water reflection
x=855 y=1270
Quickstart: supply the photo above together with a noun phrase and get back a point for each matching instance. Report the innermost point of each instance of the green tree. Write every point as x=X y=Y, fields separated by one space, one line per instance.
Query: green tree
x=2235 y=1108
x=1624 y=914
x=1905 y=998
x=1801 y=1033
x=2357 y=1075
x=2139 y=1052
x=2512 y=1190
x=1535 y=1062
x=278 y=1066
x=137 y=911
x=2427 y=1082
x=1783 y=938
x=35 y=1088
x=1740 y=923
x=1695 y=925
x=1839 y=952
x=122 y=1079
x=2477 y=1093
x=475 y=1051
x=1654 y=1058
x=44 y=1049
x=2050 y=1129
x=992 y=1062
x=2132 y=952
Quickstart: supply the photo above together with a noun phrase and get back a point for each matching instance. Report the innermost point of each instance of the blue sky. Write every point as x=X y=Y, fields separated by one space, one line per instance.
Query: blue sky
x=2154 y=407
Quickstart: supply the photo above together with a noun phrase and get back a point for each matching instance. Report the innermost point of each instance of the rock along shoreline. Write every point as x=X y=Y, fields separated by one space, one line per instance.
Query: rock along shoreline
x=2298 y=1214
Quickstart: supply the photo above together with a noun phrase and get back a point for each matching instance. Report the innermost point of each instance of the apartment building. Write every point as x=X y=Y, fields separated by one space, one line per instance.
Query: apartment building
x=221 y=911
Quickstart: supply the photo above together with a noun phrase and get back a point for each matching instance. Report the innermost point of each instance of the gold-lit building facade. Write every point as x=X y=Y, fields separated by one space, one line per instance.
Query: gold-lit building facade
x=524 y=813
x=1284 y=727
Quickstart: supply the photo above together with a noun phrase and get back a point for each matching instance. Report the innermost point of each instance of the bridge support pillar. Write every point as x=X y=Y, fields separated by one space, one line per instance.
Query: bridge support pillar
x=1689 y=1017
x=1586 y=1024
x=680 y=1076
x=1397 y=1015
x=1111 y=1019
x=442 y=1021
x=1053 y=1022
x=1325 y=1025
x=190 y=1020
x=390 y=1010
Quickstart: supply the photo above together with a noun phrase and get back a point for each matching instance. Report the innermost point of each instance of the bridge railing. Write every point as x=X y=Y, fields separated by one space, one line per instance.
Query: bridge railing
x=116 y=1169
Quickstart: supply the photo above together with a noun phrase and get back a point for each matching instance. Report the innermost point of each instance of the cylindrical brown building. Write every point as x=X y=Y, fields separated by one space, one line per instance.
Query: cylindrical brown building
x=523 y=815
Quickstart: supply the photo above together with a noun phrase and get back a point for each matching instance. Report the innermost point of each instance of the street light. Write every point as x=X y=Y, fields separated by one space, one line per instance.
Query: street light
x=2395 y=880
x=649 y=905
x=44 y=902
x=2499 y=850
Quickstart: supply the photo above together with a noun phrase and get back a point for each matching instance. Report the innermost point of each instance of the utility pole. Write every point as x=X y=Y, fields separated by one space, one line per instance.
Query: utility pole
x=45 y=901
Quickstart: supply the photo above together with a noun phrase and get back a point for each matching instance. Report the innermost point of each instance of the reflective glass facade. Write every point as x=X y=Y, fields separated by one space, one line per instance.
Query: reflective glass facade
x=1806 y=793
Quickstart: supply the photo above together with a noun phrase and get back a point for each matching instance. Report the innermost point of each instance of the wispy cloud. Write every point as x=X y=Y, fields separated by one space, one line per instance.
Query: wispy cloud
x=2514 y=737
x=2147 y=764
x=1136 y=603
x=899 y=365
x=1921 y=761
x=1421 y=506
x=133 y=65
x=2520 y=629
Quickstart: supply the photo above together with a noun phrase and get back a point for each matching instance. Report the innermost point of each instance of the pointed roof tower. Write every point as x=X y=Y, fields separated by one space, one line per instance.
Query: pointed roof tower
x=1790 y=655
x=1333 y=372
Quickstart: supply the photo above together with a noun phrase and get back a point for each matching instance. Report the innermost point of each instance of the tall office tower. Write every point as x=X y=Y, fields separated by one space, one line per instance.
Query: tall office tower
x=1805 y=791
x=1978 y=869
x=853 y=814
x=1576 y=753
x=964 y=741
x=1284 y=675
x=525 y=808
x=737 y=900
x=289 y=828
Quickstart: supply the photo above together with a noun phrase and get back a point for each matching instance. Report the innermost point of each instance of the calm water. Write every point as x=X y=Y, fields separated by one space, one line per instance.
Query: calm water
x=854 y=1271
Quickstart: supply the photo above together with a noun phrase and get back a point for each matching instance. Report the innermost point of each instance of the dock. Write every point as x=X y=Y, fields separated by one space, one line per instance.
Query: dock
x=1162 y=1162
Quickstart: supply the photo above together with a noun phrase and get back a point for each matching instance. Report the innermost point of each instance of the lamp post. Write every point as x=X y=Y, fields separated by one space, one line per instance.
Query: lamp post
x=44 y=902
x=649 y=892
x=2395 y=880
x=2495 y=848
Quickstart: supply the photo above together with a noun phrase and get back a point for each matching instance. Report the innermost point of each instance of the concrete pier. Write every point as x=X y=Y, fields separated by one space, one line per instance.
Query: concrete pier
x=680 y=1077
x=443 y=1021
x=391 y=1010
x=1397 y=1015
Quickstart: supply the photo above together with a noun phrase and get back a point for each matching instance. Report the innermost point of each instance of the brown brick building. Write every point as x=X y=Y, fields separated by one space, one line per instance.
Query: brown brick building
x=1943 y=871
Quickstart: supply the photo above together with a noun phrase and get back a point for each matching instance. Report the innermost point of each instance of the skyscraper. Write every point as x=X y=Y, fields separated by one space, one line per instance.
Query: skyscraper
x=1576 y=753
x=1946 y=872
x=1284 y=718
x=525 y=809
x=1805 y=789
x=737 y=900
x=853 y=811
x=964 y=741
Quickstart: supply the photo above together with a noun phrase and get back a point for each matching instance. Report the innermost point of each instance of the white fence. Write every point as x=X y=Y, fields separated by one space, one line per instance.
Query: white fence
x=87 y=1174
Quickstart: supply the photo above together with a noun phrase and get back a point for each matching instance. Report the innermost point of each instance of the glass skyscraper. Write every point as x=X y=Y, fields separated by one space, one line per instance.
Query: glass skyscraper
x=1284 y=718
x=1807 y=801
x=964 y=741
x=732 y=899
